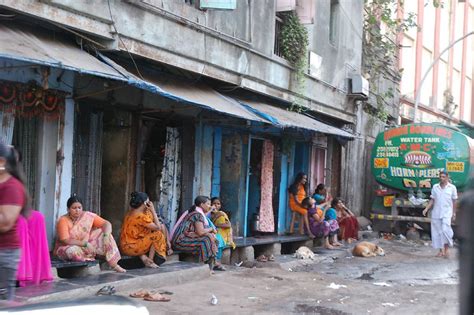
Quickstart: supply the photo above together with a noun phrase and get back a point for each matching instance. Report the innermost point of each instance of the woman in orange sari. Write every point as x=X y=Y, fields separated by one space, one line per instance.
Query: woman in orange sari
x=143 y=234
x=297 y=192
x=83 y=235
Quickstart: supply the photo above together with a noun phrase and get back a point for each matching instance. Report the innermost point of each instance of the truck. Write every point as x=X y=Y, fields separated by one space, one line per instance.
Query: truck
x=406 y=161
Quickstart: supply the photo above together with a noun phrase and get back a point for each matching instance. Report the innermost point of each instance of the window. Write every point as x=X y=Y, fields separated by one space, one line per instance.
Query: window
x=333 y=21
x=278 y=26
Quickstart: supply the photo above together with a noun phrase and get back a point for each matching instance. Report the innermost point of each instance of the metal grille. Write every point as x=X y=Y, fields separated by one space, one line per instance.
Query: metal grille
x=25 y=139
x=87 y=171
x=278 y=27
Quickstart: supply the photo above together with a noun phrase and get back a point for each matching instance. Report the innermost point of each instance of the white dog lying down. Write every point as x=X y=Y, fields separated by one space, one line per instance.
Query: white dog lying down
x=304 y=253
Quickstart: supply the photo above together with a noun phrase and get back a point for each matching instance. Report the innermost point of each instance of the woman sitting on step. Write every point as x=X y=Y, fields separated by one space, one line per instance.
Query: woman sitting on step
x=193 y=234
x=142 y=232
x=83 y=235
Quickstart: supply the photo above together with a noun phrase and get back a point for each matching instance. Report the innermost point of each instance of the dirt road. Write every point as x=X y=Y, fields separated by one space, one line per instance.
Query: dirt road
x=408 y=280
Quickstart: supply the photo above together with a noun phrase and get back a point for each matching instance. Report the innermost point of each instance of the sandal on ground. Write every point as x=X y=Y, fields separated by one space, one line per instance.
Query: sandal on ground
x=140 y=294
x=262 y=258
x=106 y=290
x=219 y=268
x=156 y=297
x=271 y=258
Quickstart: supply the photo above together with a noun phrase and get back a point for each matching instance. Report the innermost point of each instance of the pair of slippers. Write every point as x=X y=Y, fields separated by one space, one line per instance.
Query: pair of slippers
x=152 y=296
x=263 y=258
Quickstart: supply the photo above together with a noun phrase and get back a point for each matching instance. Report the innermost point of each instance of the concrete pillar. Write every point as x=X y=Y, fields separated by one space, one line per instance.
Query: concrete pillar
x=46 y=173
x=65 y=146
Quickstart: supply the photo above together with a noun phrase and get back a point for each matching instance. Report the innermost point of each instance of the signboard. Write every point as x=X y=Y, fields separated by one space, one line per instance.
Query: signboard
x=411 y=156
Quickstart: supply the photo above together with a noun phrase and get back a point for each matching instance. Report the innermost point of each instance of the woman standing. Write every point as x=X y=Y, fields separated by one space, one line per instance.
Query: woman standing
x=348 y=224
x=297 y=192
x=82 y=235
x=192 y=233
x=12 y=202
x=142 y=233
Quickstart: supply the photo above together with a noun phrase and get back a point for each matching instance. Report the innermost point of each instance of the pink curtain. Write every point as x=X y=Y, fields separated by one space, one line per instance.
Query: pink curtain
x=267 y=222
x=35 y=263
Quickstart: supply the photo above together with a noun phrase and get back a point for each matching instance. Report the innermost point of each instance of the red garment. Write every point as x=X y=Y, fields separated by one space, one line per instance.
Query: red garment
x=348 y=227
x=12 y=193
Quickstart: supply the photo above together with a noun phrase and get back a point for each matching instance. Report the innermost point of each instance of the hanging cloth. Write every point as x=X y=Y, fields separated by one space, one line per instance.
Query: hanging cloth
x=267 y=221
x=170 y=183
x=7 y=122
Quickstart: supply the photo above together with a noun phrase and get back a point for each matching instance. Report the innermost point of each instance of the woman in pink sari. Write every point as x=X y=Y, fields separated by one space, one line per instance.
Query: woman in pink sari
x=83 y=235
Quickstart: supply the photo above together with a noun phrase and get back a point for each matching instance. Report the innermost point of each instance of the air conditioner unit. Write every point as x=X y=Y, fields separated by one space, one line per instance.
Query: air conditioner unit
x=359 y=86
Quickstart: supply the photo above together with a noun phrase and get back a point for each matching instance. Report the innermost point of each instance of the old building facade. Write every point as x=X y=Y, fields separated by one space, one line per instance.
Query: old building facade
x=182 y=98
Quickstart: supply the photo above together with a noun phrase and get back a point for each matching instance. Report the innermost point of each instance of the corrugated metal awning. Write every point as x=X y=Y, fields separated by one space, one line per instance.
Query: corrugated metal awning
x=23 y=43
x=285 y=118
x=187 y=91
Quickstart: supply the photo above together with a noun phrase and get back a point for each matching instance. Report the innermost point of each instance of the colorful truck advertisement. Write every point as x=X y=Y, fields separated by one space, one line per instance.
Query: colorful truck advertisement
x=411 y=156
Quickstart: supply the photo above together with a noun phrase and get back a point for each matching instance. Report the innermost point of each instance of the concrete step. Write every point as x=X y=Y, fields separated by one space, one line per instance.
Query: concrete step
x=170 y=273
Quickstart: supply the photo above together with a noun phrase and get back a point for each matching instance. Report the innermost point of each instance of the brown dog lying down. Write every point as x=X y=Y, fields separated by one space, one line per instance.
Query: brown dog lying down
x=366 y=249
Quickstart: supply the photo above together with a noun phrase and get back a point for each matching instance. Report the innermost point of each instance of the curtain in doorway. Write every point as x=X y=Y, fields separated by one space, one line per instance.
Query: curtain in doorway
x=7 y=122
x=267 y=221
x=170 y=184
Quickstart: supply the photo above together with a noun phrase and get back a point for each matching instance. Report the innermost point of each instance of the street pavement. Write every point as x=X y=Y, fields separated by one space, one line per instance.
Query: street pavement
x=408 y=280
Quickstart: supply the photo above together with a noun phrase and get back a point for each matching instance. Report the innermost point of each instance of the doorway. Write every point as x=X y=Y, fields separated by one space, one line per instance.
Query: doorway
x=254 y=171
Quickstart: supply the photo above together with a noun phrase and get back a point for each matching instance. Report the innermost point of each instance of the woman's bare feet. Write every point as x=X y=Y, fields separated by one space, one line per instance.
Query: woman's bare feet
x=119 y=269
x=440 y=254
x=148 y=262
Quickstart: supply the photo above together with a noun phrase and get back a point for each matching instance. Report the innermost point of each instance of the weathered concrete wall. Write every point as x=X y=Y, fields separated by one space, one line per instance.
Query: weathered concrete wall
x=342 y=57
x=117 y=166
x=358 y=184
x=233 y=46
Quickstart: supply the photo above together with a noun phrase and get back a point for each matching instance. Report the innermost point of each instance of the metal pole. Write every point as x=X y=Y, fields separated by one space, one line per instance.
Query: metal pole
x=418 y=91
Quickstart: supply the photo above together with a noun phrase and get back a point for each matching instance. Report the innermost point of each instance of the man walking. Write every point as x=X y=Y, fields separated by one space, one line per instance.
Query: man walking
x=443 y=196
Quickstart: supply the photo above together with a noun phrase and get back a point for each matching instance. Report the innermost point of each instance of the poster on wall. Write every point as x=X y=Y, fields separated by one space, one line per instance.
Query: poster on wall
x=411 y=156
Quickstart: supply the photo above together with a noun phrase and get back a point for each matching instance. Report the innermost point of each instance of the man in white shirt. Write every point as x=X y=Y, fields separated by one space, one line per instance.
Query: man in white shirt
x=443 y=196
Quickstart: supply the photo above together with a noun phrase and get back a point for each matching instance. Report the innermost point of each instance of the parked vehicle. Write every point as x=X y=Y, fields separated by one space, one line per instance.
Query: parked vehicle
x=406 y=162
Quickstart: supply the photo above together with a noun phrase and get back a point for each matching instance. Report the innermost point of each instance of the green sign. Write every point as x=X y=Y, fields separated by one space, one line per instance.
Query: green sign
x=411 y=156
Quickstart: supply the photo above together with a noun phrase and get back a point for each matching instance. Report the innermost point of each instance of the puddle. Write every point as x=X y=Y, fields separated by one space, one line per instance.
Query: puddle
x=366 y=276
x=316 y=309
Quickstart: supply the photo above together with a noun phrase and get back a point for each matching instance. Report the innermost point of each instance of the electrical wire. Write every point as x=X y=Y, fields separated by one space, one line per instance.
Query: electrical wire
x=121 y=40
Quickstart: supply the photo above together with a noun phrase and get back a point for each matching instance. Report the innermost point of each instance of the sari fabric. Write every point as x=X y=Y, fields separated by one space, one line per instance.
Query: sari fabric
x=221 y=218
x=348 y=227
x=35 y=263
x=321 y=228
x=83 y=230
x=300 y=195
x=186 y=240
x=137 y=239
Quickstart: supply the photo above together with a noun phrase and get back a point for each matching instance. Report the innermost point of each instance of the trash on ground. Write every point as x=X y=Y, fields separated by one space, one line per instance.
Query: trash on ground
x=289 y=269
x=106 y=290
x=402 y=237
x=389 y=304
x=214 y=300
x=239 y=264
x=344 y=298
x=336 y=286
x=253 y=298
x=382 y=284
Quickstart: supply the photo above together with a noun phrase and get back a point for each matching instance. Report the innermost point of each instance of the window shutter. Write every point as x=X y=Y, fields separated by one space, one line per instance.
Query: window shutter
x=285 y=5
x=305 y=10
x=218 y=4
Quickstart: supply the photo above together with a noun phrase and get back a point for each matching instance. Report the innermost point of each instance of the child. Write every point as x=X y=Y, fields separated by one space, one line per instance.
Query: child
x=222 y=222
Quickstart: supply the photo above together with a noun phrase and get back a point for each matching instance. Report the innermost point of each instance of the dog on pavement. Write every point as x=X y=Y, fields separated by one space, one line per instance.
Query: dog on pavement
x=367 y=249
x=304 y=253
